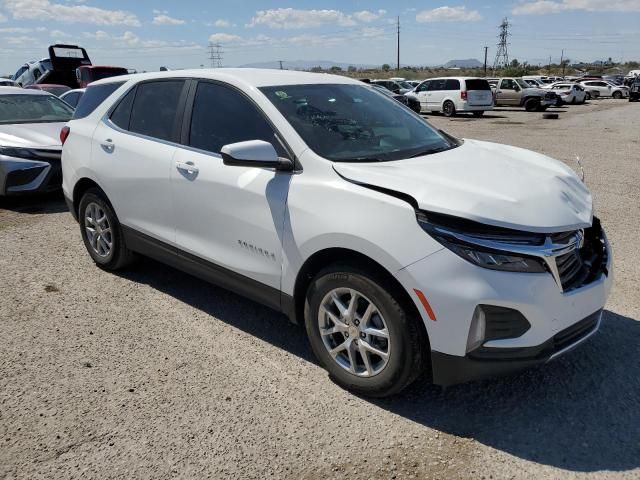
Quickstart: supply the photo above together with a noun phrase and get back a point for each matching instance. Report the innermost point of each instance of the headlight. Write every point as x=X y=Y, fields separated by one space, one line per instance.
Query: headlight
x=464 y=245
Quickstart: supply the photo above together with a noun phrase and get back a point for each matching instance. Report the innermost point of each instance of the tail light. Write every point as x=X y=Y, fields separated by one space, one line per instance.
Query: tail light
x=463 y=95
x=64 y=133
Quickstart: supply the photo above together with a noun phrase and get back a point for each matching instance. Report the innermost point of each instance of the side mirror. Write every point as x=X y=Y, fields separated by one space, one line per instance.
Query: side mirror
x=516 y=88
x=254 y=153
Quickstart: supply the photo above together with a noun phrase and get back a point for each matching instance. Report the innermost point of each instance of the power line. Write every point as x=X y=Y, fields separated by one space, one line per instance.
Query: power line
x=502 y=55
x=215 y=55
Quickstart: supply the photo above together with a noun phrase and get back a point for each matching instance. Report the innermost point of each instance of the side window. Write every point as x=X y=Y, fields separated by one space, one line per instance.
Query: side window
x=37 y=73
x=122 y=113
x=452 y=84
x=72 y=99
x=507 y=84
x=222 y=115
x=155 y=107
x=94 y=96
x=423 y=87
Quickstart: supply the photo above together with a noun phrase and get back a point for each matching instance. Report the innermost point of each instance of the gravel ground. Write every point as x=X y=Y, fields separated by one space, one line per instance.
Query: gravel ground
x=155 y=374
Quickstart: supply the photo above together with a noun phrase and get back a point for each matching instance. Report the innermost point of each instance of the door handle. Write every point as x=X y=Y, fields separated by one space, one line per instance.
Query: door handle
x=188 y=167
x=108 y=146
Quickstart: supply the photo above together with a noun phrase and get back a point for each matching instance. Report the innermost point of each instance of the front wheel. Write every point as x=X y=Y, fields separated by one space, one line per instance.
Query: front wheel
x=587 y=96
x=531 y=104
x=449 y=109
x=364 y=337
x=617 y=95
x=101 y=232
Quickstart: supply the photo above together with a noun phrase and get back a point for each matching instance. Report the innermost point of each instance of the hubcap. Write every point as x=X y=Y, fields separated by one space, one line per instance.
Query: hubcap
x=98 y=230
x=354 y=332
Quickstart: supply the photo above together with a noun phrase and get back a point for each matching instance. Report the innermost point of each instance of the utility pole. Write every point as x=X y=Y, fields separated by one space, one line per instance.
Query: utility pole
x=215 y=55
x=502 y=54
x=280 y=64
x=485 y=60
x=562 y=62
x=398 y=53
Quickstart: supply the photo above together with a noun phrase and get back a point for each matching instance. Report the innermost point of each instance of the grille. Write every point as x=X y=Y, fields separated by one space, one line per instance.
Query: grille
x=575 y=332
x=550 y=96
x=582 y=266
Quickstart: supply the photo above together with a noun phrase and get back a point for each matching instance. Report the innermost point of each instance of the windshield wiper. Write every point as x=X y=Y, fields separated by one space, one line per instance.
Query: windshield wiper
x=361 y=159
x=431 y=151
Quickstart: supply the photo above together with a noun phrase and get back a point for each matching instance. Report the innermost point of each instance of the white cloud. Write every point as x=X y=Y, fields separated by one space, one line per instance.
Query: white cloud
x=222 y=23
x=59 y=34
x=46 y=10
x=225 y=38
x=292 y=18
x=3 y=17
x=15 y=30
x=448 y=14
x=167 y=20
x=542 y=7
x=366 y=16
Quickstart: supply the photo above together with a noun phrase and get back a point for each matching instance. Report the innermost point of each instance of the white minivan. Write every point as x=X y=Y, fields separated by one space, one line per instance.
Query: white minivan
x=451 y=95
x=399 y=247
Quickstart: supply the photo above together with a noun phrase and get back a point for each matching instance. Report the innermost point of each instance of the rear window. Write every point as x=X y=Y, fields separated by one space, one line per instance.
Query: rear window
x=94 y=96
x=155 y=107
x=477 y=84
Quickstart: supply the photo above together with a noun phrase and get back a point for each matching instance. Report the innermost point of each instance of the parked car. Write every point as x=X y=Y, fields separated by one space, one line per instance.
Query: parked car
x=405 y=100
x=568 y=92
x=534 y=83
x=634 y=90
x=396 y=244
x=606 y=89
x=72 y=97
x=7 y=82
x=30 y=123
x=90 y=73
x=392 y=86
x=52 y=88
x=452 y=95
x=515 y=92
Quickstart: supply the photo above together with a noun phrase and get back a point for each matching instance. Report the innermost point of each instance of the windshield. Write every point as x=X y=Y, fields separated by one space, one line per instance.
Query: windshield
x=350 y=123
x=33 y=109
x=522 y=83
x=405 y=85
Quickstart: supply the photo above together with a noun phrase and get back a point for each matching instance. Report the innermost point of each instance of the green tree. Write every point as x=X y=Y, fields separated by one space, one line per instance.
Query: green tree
x=386 y=67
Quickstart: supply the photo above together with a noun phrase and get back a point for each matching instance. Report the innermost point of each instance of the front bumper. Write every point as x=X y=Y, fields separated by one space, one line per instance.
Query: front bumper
x=492 y=362
x=22 y=176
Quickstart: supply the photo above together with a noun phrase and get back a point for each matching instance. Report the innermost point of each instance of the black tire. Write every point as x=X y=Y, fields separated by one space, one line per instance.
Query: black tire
x=617 y=95
x=587 y=96
x=408 y=346
x=118 y=256
x=449 y=109
x=531 y=104
x=478 y=113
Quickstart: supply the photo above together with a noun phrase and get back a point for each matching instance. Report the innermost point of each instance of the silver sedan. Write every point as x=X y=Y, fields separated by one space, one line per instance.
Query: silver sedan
x=30 y=147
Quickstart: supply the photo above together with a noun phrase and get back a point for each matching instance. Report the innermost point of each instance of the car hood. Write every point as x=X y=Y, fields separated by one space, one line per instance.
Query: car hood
x=31 y=135
x=486 y=182
x=537 y=91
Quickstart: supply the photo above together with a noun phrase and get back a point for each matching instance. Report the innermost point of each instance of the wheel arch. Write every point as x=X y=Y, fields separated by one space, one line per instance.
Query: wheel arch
x=339 y=255
x=79 y=189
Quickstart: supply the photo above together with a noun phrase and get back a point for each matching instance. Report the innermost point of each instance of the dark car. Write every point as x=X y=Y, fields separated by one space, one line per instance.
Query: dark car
x=53 y=88
x=634 y=90
x=410 y=102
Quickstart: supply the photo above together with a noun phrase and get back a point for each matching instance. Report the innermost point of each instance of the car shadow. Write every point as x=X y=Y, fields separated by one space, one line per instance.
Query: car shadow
x=578 y=413
x=35 y=204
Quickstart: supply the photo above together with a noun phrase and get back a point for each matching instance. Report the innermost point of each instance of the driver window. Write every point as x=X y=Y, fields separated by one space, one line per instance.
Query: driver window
x=507 y=85
x=424 y=86
x=222 y=115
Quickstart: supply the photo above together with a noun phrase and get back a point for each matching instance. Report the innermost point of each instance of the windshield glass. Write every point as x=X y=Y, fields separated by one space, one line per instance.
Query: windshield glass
x=522 y=83
x=405 y=85
x=350 y=123
x=33 y=109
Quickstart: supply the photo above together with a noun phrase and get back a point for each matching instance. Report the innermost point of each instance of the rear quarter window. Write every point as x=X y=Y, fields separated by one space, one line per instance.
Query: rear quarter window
x=93 y=97
x=452 y=84
x=477 y=84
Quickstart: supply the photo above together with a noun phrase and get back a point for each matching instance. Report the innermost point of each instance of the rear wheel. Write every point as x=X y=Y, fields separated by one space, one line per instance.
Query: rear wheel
x=361 y=334
x=101 y=232
x=449 y=109
x=479 y=113
x=587 y=96
x=531 y=104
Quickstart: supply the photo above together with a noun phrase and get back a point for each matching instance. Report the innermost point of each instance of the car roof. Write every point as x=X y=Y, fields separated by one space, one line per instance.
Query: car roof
x=251 y=77
x=22 y=91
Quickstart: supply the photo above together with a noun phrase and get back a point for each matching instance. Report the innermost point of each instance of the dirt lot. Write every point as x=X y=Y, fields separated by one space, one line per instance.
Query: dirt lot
x=155 y=374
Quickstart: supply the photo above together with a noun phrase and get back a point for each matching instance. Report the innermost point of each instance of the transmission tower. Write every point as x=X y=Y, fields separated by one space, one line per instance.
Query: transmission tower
x=502 y=55
x=215 y=55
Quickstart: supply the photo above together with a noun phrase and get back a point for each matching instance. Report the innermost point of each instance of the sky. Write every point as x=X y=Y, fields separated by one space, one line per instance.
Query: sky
x=146 y=35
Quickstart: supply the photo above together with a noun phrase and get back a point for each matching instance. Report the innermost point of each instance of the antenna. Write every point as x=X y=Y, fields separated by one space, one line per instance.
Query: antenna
x=502 y=55
x=215 y=55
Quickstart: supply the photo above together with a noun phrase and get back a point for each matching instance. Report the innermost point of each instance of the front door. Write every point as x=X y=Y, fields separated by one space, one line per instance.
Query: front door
x=228 y=218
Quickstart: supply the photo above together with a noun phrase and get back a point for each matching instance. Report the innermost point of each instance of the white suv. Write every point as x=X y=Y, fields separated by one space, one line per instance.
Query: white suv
x=451 y=95
x=398 y=246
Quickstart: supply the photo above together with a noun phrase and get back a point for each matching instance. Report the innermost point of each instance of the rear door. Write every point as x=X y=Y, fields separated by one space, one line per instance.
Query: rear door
x=133 y=151
x=435 y=94
x=479 y=92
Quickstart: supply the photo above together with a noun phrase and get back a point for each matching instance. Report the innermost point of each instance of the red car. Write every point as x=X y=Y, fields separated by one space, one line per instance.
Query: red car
x=53 y=88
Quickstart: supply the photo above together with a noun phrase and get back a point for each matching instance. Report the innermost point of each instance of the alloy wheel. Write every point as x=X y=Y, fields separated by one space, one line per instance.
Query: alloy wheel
x=98 y=229
x=354 y=332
